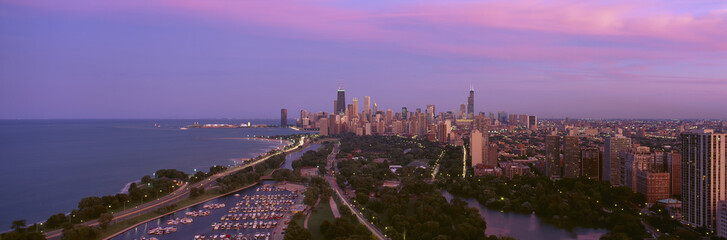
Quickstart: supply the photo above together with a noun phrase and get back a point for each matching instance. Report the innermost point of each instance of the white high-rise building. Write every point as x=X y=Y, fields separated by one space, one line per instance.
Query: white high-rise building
x=354 y=111
x=476 y=147
x=703 y=176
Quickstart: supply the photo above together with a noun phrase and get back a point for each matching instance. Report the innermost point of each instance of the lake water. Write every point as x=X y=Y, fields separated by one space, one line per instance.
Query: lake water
x=288 y=164
x=49 y=165
x=526 y=226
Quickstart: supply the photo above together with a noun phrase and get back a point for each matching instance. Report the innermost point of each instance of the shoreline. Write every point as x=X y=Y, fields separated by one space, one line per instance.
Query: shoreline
x=285 y=142
x=265 y=157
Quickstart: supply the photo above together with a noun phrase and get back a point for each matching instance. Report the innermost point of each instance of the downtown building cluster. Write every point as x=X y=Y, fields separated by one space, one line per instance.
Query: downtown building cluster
x=449 y=127
x=679 y=158
x=461 y=128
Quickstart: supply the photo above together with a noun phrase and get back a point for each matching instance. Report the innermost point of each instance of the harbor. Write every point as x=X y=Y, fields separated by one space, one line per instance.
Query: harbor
x=252 y=213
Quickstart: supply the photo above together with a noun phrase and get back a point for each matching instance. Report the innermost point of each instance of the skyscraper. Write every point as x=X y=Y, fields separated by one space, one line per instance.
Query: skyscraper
x=323 y=126
x=703 y=176
x=367 y=105
x=476 y=150
x=404 y=113
x=355 y=107
x=341 y=102
x=421 y=124
x=571 y=157
x=430 y=114
x=635 y=160
x=533 y=123
x=389 y=116
x=442 y=132
x=283 y=117
x=590 y=163
x=611 y=167
x=303 y=114
x=502 y=116
x=490 y=154
x=462 y=111
x=552 y=156
x=471 y=103
x=304 y=118
x=674 y=164
x=481 y=123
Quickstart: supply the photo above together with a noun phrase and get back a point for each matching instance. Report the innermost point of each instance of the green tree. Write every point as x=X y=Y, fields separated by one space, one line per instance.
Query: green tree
x=296 y=232
x=105 y=219
x=18 y=225
x=81 y=232
x=146 y=179
x=56 y=220
x=22 y=236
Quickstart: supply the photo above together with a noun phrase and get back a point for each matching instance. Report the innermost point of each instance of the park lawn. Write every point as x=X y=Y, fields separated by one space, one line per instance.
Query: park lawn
x=321 y=213
x=338 y=202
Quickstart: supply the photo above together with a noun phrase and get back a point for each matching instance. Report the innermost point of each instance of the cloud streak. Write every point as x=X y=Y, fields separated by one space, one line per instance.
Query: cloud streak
x=529 y=29
x=533 y=44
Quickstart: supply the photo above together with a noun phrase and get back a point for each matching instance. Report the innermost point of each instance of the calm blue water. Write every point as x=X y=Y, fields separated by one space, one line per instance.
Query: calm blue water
x=49 y=165
x=526 y=226
x=288 y=164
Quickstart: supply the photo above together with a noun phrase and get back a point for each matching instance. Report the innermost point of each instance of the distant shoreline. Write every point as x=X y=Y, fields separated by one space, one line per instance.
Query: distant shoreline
x=286 y=142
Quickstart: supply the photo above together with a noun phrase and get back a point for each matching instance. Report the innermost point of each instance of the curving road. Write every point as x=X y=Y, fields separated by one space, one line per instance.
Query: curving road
x=181 y=193
x=332 y=181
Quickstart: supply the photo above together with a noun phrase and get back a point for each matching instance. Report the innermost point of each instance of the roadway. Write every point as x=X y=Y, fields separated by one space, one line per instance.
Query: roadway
x=436 y=166
x=181 y=193
x=464 y=162
x=332 y=181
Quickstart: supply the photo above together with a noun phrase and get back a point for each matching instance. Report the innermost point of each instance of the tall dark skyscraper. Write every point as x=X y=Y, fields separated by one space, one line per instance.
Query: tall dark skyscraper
x=533 y=123
x=552 y=156
x=590 y=163
x=341 y=101
x=471 y=104
x=283 y=117
x=571 y=157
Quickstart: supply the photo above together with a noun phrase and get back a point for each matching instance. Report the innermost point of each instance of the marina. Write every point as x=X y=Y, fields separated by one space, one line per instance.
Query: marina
x=251 y=213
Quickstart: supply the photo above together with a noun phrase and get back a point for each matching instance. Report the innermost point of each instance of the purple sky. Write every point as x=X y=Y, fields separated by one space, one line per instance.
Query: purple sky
x=248 y=59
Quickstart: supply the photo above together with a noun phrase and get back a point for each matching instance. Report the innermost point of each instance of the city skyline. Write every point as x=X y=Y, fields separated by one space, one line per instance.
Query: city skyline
x=198 y=59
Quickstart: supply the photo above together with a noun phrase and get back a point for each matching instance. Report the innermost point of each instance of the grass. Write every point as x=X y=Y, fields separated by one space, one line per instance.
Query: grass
x=338 y=201
x=321 y=213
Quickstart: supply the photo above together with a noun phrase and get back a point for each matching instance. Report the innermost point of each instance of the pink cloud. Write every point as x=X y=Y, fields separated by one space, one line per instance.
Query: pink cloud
x=627 y=29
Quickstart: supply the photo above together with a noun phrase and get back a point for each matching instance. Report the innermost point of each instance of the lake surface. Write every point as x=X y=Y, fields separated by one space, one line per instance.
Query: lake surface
x=288 y=164
x=524 y=226
x=49 y=165
x=203 y=225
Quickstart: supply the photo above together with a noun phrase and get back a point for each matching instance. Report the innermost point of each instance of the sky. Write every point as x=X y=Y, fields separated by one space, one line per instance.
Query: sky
x=249 y=58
